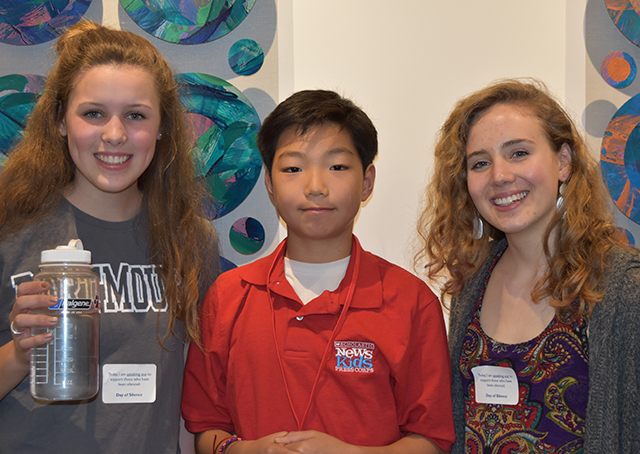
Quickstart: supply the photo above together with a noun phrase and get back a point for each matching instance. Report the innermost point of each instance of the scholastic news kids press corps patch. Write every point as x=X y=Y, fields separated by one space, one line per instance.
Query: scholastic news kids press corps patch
x=353 y=356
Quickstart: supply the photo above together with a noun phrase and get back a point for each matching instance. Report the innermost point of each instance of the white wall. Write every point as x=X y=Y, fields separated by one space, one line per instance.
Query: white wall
x=406 y=63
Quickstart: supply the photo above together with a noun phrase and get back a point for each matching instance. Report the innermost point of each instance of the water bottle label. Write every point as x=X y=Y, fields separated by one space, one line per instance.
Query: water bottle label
x=76 y=304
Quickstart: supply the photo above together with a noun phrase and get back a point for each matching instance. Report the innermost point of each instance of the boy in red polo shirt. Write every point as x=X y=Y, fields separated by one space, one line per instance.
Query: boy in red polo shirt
x=320 y=347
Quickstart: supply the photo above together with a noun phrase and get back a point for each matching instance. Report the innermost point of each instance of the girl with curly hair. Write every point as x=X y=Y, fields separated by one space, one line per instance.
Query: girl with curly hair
x=105 y=158
x=545 y=297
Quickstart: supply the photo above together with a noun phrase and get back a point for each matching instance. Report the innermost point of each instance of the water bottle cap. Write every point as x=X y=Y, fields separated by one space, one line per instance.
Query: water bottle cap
x=70 y=253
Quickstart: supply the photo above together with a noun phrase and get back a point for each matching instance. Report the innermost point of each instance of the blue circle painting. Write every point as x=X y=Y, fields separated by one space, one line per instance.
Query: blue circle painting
x=225 y=125
x=247 y=235
x=226 y=264
x=188 y=21
x=246 y=57
x=625 y=15
x=33 y=22
x=620 y=158
x=618 y=69
x=18 y=96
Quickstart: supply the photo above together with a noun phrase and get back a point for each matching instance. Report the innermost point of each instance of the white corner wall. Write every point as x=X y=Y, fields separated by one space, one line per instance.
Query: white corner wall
x=406 y=63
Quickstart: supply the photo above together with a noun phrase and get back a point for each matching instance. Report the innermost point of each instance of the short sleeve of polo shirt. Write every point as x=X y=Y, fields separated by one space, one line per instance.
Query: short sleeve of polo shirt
x=423 y=381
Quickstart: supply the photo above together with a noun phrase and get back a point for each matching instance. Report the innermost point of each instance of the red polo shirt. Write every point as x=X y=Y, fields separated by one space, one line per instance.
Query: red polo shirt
x=386 y=374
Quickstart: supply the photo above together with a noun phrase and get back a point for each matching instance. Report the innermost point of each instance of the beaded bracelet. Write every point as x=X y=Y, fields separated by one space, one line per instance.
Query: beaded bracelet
x=227 y=442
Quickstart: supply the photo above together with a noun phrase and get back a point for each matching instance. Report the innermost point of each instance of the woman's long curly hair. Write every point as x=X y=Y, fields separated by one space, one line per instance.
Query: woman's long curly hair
x=578 y=236
x=40 y=171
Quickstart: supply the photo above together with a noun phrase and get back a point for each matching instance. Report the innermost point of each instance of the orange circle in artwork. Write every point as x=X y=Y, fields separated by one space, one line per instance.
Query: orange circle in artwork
x=619 y=69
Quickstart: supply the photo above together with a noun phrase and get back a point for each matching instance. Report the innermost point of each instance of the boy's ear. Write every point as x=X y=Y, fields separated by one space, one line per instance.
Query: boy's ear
x=369 y=180
x=268 y=183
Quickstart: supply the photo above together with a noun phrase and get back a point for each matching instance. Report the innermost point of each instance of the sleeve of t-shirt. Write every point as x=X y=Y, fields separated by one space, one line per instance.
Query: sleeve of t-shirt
x=203 y=396
x=423 y=383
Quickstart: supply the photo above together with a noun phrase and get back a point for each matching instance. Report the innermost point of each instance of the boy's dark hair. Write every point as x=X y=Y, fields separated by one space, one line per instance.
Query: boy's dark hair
x=309 y=108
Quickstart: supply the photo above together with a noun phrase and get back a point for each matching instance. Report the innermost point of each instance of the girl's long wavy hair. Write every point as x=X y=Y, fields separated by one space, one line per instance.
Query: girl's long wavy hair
x=578 y=236
x=40 y=171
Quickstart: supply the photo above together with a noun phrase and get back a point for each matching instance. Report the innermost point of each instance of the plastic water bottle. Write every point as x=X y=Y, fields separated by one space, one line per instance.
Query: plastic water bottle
x=67 y=367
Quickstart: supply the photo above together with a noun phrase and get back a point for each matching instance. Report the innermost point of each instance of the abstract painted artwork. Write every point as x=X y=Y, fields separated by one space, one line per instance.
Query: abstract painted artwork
x=620 y=158
x=624 y=14
x=246 y=57
x=247 y=235
x=188 y=21
x=628 y=236
x=226 y=265
x=18 y=96
x=619 y=69
x=225 y=125
x=35 y=21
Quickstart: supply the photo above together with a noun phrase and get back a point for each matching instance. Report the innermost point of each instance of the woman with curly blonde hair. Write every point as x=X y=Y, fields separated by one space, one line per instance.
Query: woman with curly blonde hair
x=544 y=295
x=105 y=158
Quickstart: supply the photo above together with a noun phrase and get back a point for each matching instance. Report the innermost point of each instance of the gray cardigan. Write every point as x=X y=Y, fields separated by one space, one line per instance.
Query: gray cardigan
x=613 y=409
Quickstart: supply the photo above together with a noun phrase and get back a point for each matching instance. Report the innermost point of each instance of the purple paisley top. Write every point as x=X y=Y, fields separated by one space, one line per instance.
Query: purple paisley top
x=553 y=382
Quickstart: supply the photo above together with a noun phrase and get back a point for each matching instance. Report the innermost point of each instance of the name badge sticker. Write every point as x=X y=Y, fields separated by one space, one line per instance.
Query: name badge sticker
x=128 y=383
x=495 y=385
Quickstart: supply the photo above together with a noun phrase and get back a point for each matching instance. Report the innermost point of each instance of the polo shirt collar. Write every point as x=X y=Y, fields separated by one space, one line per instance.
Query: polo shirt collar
x=368 y=293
